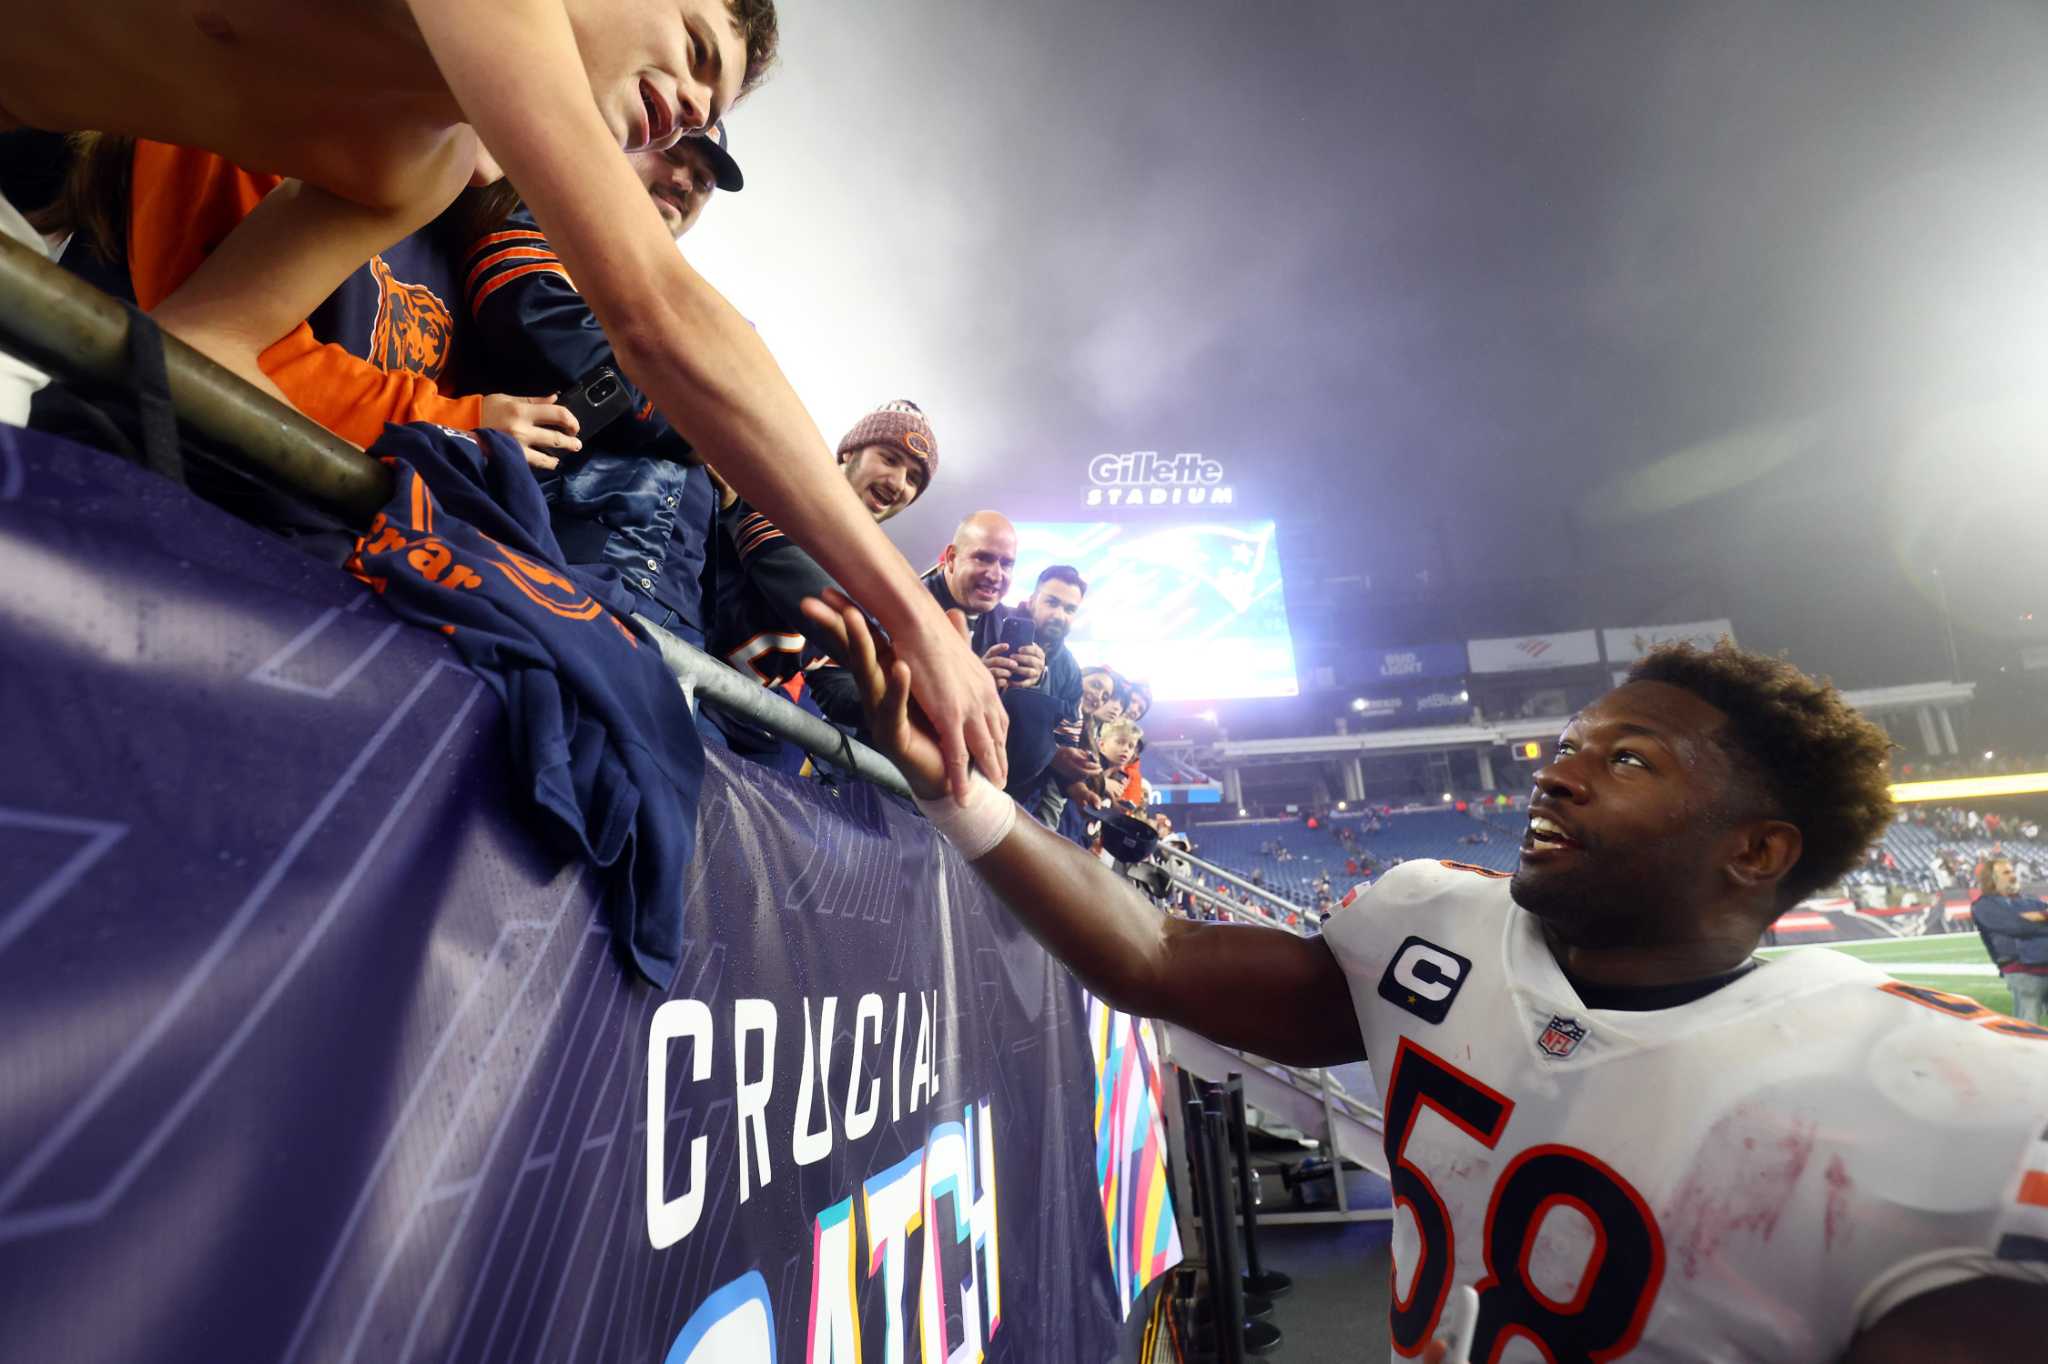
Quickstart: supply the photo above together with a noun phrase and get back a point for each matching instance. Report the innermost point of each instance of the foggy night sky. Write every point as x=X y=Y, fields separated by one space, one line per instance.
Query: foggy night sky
x=1742 y=294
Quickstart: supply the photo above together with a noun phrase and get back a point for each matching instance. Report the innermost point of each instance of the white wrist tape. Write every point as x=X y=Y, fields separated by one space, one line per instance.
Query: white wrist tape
x=976 y=824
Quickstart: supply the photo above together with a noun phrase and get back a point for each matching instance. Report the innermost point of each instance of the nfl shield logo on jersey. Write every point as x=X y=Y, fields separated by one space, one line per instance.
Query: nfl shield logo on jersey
x=1561 y=1036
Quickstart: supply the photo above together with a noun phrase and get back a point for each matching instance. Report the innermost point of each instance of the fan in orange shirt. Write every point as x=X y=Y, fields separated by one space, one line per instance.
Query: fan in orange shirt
x=378 y=350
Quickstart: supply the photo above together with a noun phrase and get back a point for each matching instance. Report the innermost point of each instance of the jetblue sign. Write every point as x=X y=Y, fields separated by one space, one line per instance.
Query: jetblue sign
x=1417 y=706
x=1146 y=478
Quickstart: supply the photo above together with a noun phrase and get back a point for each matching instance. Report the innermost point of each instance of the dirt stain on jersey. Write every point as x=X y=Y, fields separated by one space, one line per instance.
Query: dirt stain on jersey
x=1836 y=1221
x=1739 y=1186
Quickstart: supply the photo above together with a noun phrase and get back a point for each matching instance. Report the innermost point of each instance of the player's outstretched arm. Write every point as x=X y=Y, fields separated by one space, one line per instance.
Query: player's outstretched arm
x=1983 y=1321
x=512 y=66
x=1258 y=989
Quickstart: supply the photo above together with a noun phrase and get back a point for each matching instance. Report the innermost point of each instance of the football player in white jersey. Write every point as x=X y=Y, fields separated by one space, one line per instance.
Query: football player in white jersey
x=1633 y=1139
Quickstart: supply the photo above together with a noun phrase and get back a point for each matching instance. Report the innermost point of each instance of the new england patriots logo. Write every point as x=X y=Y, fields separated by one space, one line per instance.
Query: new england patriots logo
x=1561 y=1036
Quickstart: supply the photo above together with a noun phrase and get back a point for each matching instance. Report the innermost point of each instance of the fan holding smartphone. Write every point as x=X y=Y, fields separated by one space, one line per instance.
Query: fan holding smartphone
x=1015 y=658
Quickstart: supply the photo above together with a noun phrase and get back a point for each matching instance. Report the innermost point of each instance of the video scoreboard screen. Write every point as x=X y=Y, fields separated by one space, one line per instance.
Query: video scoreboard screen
x=1193 y=608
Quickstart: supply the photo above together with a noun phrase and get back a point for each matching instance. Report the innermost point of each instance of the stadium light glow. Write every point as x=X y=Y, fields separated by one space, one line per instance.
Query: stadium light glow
x=1970 y=788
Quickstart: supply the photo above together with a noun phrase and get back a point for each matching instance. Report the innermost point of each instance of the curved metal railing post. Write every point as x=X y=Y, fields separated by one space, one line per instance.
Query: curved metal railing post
x=1272 y=897
x=714 y=682
x=59 y=323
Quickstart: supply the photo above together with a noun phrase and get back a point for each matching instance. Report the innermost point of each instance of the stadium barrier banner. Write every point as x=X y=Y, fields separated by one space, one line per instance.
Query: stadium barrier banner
x=1130 y=1151
x=317 y=1052
x=1415 y=662
x=1533 y=653
x=1630 y=642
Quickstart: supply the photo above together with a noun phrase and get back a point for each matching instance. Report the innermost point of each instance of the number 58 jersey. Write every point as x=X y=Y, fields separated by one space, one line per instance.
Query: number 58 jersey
x=1757 y=1175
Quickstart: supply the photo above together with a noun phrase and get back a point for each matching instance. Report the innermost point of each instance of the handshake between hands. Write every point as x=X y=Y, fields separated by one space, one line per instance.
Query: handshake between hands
x=898 y=728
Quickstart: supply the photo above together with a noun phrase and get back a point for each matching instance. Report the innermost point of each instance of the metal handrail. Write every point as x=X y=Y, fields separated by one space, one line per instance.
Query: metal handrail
x=1225 y=874
x=1201 y=894
x=709 y=680
x=1314 y=1078
x=59 y=323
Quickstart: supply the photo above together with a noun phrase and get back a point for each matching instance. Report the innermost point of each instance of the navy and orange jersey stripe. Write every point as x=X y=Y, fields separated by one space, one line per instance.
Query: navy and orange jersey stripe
x=753 y=533
x=540 y=336
x=502 y=257
x=759 y=578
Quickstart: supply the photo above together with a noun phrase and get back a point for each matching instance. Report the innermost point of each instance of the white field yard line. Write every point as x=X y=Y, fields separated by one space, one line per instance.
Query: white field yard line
x=1916 y=968
x=1879 y=949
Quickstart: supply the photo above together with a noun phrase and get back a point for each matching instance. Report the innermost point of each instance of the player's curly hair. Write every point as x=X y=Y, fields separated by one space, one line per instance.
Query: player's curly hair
x=758 y=28
x=1811 y=758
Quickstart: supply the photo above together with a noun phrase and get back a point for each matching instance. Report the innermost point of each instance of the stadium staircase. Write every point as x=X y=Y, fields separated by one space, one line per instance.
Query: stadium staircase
x=1331 y=1106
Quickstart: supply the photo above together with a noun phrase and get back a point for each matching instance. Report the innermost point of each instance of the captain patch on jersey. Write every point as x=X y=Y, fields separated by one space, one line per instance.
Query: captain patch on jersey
x=1423 y=979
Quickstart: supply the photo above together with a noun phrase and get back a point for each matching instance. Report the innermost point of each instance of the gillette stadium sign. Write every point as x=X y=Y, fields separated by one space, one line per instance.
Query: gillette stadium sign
x=1146 y=478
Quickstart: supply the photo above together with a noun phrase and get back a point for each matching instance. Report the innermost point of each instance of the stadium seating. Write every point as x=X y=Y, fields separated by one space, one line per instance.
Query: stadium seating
x=1914 y=848
x=1162 y=768
x=1237 y=845
x=1242 y=846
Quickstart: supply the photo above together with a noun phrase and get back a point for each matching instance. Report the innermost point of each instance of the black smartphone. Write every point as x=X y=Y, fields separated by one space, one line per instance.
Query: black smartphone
x=599 y=399
x=1018 y=631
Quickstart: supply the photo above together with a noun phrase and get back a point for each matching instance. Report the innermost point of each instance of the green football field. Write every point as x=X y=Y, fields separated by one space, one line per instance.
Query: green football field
x=1955 y=962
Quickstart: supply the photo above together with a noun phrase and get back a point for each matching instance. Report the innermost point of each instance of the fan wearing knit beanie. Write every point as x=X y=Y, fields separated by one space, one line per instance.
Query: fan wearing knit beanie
x=759 y=577
x=890 y=457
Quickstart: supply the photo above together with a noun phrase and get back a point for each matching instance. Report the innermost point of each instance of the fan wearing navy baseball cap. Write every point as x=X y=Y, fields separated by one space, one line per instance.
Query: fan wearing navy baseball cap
x=631 y=503
x=718 y=151
x=680 y=179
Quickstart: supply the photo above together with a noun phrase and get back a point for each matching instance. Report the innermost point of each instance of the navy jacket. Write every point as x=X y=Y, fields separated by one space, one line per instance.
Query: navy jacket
x=2010 y=939
x=602 y=737
x=630 y=503
x=757 y=583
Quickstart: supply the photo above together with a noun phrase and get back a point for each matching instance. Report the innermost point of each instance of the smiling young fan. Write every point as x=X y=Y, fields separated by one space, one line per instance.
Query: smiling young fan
x=1634 y=1139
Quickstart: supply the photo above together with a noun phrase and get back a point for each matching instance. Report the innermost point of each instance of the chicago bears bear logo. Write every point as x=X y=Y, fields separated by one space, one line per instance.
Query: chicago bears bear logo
x=413 y=327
